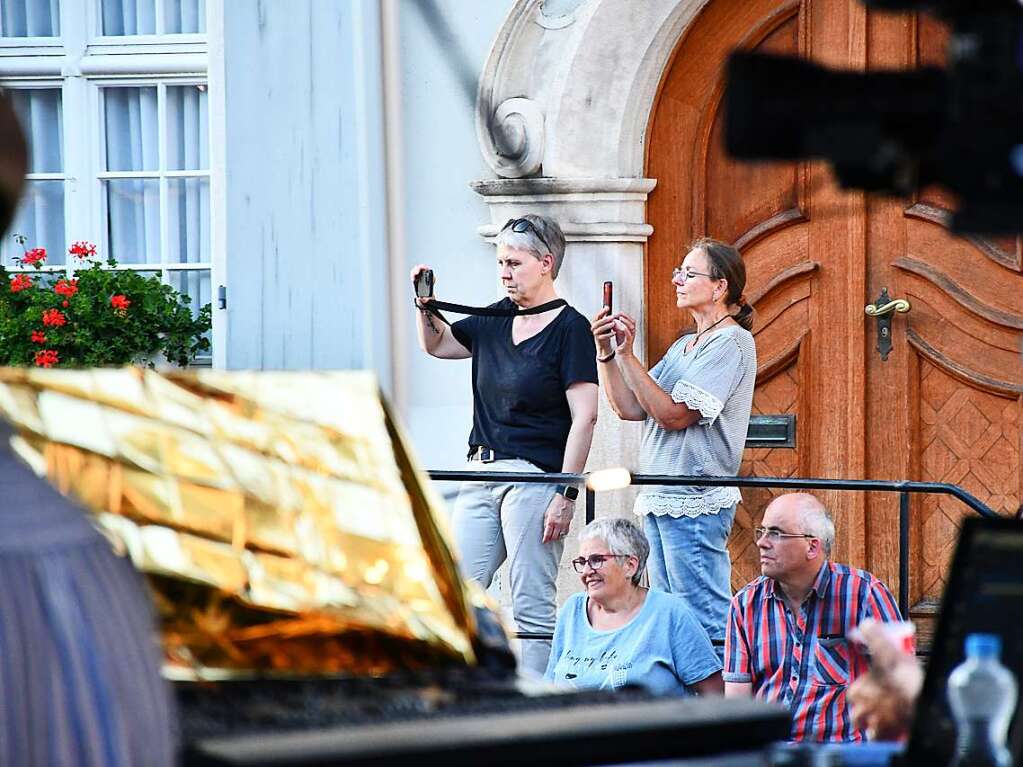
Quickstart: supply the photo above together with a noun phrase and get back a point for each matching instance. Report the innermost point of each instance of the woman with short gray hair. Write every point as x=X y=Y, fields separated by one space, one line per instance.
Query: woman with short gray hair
x=534 y=388
x=617 y=633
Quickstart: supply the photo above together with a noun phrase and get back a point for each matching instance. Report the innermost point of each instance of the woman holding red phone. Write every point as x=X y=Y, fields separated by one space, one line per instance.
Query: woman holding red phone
x=695 y=405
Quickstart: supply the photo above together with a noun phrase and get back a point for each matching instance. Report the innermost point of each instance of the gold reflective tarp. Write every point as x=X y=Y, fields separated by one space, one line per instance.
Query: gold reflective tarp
x=279 y=515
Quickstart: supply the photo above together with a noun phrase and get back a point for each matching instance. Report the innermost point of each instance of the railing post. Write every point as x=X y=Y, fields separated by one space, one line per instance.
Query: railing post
x=904 y=554
x=591 y=503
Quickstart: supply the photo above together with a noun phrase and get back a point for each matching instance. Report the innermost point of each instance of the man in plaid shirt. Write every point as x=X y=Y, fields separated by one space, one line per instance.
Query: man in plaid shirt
x=786 y=639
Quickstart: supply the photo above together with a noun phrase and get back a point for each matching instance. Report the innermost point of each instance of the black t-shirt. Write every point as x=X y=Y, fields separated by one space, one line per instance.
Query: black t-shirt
x=518 y=392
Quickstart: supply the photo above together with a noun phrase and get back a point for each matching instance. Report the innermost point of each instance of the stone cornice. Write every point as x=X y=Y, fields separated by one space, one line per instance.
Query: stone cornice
x=558 y=188
x=588 y=209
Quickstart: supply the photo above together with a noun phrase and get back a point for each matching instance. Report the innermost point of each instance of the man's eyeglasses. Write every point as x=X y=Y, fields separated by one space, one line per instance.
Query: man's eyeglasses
x=684 y=275
x=774 y=535
x=595 y=561
x=522 y=225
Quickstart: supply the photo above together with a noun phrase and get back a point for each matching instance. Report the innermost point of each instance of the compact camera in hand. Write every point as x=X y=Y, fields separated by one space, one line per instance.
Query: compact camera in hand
x=424 y=284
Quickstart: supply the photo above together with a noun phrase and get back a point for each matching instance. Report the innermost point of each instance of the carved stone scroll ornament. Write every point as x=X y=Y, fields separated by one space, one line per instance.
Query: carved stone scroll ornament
x=516 y=131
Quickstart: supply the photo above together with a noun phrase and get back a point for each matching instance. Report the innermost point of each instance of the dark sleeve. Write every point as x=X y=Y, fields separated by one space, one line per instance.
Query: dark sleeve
x=578 y=354
x=464 y=331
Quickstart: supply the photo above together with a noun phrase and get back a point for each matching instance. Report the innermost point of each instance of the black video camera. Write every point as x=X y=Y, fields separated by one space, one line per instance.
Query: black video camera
x=897 y=131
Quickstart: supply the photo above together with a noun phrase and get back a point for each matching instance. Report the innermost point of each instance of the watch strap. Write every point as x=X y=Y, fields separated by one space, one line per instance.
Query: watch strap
x=569 y=491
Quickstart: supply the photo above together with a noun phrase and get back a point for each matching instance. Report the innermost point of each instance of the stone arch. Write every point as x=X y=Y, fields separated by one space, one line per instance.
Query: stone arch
x=570 y=95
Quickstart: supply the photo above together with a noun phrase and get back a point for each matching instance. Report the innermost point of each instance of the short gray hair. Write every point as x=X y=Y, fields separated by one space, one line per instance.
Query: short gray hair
x=816 y=521
x=528 y=240
x=623 y=537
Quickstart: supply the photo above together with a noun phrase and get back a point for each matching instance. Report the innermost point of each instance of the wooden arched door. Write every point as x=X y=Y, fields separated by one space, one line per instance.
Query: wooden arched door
x=946 y=404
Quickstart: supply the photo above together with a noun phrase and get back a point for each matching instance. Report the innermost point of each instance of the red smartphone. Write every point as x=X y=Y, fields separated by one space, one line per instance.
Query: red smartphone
x=609 y=297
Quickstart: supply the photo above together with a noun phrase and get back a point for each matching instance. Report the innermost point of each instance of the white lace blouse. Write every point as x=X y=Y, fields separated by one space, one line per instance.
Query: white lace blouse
x=716 y=378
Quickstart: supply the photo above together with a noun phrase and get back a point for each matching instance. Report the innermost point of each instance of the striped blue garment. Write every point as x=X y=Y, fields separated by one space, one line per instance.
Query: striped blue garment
x=79 y=661
x=805 y=661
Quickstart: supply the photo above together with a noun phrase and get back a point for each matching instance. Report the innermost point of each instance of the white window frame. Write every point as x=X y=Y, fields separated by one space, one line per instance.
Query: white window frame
x=80 y=63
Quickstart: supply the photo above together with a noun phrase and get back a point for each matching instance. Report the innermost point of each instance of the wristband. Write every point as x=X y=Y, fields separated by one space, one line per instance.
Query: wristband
x=608 y=358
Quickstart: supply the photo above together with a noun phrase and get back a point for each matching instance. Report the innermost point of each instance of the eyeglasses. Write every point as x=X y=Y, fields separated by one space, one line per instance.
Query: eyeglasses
x=774 y=535
x=522 y=225
x=684 y=275
x=595 y=561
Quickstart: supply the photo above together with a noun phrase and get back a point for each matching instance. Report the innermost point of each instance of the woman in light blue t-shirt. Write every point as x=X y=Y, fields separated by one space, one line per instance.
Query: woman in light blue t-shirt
x=617 y=633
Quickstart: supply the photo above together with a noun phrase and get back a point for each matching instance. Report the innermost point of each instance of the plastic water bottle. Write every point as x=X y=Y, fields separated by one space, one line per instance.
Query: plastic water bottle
x=982 y=694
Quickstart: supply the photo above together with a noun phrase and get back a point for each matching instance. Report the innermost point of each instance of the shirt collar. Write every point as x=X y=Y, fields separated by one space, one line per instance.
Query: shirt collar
x=821 y=583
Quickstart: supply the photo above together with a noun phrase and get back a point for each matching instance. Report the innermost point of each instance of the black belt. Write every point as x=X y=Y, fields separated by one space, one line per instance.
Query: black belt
x=486 y=455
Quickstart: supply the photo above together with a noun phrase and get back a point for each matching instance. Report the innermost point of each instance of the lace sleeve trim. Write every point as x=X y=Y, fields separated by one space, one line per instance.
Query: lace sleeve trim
x=695 y=398
x=678 y=505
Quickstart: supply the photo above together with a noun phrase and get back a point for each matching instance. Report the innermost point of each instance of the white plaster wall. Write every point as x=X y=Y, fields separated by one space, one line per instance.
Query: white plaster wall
x=441 y=214
x=296 y=101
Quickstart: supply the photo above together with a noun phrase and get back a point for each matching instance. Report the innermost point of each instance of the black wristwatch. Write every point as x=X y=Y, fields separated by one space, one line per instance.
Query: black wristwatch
x=568 y=491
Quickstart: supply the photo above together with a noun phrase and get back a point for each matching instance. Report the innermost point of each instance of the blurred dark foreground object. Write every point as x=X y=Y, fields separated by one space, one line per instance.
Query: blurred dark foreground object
x=79 y=662
x=899 y=130
x=13 y=163
x=80 y=684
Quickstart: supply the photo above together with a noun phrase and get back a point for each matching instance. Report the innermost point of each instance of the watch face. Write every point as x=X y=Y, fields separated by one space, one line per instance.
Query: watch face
x=570 y=492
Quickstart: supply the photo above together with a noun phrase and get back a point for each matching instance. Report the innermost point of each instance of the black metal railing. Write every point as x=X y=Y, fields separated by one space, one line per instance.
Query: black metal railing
x=904 y=488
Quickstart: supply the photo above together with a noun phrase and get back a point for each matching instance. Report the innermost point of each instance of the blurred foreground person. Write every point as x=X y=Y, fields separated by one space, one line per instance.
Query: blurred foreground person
x=884 y=700
x=617 y=633
x=80 y=681
x=13 y=163
x=79 y=663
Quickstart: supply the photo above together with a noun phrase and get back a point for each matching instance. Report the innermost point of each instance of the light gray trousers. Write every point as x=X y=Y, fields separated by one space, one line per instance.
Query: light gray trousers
x=494 y=521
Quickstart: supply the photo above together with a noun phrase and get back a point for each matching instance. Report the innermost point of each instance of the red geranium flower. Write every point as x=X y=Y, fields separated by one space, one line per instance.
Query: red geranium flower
x=20 y=282
x=34 y=257
x=66 y=288
x=46 y=358
x=38 y=337
x=54 y=318
x=82 y=249
x=120 y=303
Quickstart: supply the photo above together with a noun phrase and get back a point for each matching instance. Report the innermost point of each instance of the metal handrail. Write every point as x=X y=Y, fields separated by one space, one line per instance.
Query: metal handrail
x=904 y=487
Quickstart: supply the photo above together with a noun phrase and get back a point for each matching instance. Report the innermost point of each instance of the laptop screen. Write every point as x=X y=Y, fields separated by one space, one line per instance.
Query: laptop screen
x=984 y=594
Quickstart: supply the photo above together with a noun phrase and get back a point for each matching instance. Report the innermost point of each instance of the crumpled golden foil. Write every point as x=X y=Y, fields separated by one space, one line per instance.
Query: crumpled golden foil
x=278 y=515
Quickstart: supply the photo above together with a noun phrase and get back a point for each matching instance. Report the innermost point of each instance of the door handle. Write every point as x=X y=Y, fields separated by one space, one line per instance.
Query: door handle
x=900 y=305
x=882 y=310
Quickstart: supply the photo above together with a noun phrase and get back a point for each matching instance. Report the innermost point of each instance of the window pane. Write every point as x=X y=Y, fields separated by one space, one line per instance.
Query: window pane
x=187 y=128
x=129 y=17
x=193 y=283
x=29 y=18
x=131 y=128
x=133 y=210
x=39 y=112
x=197 y=286
x=40 y=218
x=188 y=207
x=184 y=16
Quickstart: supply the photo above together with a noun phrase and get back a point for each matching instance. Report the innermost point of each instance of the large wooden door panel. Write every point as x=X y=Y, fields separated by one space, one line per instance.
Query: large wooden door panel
x=945 y=406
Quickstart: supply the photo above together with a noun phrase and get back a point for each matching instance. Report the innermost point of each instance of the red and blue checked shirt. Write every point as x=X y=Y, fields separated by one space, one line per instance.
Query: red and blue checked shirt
x=804 y=661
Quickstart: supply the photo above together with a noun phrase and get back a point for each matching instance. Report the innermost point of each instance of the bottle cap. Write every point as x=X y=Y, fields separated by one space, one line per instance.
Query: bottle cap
x=983 y=646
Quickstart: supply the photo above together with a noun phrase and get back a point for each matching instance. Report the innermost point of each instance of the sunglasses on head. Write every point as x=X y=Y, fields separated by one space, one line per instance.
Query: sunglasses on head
x=522 y=225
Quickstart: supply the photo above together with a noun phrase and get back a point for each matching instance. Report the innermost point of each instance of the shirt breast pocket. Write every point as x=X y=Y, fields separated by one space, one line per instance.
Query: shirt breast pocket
x=830 y=663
